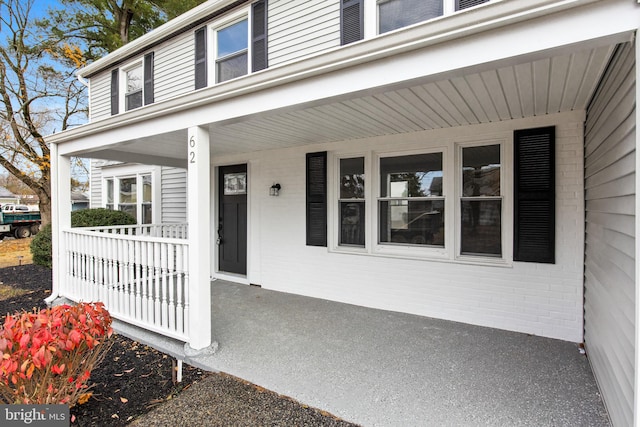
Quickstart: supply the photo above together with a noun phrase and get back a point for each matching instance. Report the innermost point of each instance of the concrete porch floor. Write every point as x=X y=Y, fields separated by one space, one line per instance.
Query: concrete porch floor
x=376 y=367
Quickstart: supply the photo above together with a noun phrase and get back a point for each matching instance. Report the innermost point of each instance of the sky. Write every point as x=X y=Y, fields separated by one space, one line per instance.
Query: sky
x=40 y=6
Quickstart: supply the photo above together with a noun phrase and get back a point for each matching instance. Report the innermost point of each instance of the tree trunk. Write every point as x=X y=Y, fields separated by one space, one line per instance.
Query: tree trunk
x=45 y=206
x=126 y=16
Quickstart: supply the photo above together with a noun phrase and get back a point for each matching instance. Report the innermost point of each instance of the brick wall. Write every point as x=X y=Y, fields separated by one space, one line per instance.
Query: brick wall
x=540 y=299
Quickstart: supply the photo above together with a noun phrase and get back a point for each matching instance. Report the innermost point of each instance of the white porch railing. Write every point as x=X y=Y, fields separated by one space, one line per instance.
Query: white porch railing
x=171 y=231
x=141 y=276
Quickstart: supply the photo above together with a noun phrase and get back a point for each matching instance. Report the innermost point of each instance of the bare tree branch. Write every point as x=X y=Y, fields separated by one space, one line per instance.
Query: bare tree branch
x=38 y=93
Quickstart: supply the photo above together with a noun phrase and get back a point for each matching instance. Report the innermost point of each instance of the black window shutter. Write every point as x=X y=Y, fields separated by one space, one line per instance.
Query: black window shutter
x=201 y=57
x=148 y=78
x=317 y=199
x=114 y=91
x=351 y=21
x=259 y=36
x=534 y=202
x=465 y=4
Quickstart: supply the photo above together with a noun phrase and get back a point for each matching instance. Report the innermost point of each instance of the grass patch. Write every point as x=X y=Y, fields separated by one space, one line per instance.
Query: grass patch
x=11 y=249
x=7 y=292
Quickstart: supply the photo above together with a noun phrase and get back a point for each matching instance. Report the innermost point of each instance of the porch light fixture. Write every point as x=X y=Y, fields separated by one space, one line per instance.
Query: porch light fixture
x=275 y=190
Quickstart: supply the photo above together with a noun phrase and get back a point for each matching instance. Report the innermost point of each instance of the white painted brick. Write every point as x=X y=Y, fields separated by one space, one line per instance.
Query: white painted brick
x=539 y=299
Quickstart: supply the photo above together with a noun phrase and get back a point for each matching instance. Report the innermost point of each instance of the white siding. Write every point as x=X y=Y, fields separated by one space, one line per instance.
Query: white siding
x=174 y=75
x=95 y=186
x=610 y=235
x=174 y=67
x=174 y=195
x=540 y=299
x=298 y=28
x=100 y=99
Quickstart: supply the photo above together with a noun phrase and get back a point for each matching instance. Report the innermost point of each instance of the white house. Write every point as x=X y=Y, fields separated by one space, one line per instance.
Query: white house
x=465 y=160
x=7 y=197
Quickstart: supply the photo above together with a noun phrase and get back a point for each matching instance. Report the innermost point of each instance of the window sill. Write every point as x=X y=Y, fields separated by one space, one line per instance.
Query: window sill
x=411 y=252
x=486 y=261
x=422 y=254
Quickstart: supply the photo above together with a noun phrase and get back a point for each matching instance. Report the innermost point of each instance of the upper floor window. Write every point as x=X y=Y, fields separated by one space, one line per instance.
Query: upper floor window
x=232 y=51
x=393 y=14
x=133 y=87
x=231 y=47
x=366 y=18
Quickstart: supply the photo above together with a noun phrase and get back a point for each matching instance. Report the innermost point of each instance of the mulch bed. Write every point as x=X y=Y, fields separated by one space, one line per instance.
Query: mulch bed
x=134 y=379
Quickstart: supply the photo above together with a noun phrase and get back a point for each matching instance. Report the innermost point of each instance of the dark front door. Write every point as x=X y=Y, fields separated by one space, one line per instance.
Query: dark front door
x=232 y=221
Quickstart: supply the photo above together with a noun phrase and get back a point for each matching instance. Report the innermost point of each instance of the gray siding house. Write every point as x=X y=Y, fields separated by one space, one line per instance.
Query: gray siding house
x=465 y=160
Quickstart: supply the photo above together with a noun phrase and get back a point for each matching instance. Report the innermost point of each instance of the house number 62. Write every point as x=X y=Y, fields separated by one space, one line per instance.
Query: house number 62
x=192 y=153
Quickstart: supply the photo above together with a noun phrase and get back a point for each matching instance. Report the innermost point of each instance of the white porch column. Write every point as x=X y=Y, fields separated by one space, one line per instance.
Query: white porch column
x=60 y=216
x=199 y=218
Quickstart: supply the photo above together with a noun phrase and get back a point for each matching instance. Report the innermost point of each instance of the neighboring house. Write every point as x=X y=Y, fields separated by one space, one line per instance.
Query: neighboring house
x=79 y=201
x=465 y=160
x=7 y=197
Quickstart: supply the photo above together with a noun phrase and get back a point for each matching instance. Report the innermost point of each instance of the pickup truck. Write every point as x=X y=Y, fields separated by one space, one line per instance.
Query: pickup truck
x=10 y=207
x=19 y=224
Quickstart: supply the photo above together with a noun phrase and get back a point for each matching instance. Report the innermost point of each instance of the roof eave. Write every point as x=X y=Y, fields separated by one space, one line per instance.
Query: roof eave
x=199 y=13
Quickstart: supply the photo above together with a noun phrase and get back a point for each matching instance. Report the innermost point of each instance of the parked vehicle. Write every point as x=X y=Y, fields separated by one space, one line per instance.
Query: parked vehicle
x=19 y=223
x=11 y=207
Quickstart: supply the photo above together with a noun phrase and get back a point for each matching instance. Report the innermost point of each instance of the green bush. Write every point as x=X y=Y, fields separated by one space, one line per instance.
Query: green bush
x=41 y=247
x=100 y=217
x=41 y=243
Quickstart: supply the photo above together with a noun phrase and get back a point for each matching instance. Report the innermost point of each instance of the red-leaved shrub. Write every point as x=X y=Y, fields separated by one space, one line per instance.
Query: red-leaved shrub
x=47 y=356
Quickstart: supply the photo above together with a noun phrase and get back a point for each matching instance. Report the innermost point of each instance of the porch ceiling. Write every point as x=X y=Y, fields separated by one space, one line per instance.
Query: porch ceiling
x=526 y=87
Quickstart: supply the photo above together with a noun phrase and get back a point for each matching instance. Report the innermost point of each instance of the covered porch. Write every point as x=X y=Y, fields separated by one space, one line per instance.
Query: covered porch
x=376 y=367
x=421 y=89
x=425 y=89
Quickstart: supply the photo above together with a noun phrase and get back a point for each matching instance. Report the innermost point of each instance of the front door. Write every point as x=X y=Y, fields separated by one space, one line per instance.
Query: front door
x=232 y=220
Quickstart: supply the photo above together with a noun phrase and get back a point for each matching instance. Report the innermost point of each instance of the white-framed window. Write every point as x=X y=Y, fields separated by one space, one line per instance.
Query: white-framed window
x=447 y=202
x=382 y=16
x=231 y=50
x=411 y=202
x=109 y=193
x=133 y=192
x=351 y=202
x=133 y=86
x=232 y=46
x=480 y=200
x=394 y=14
